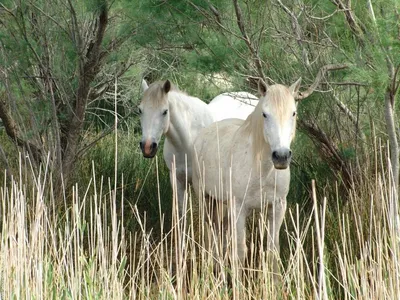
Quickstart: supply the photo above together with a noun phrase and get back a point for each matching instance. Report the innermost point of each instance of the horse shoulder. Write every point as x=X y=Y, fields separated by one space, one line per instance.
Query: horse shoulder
x=215 y=138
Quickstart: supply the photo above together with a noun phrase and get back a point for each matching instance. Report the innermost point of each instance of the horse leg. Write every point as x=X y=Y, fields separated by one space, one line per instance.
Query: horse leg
x=239 y=230
x=215 y=226
x=179 y=186
x=182 y=203
x=275 y=215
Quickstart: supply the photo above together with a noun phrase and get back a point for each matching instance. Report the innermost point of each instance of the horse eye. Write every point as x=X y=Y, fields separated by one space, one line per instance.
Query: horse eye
x=264 y=115
x=165 y=112
x=294 y=114
x=139 y=110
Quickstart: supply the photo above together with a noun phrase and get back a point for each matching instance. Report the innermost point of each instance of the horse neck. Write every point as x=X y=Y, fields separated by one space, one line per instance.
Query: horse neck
x=180 y=124
x=253 y=126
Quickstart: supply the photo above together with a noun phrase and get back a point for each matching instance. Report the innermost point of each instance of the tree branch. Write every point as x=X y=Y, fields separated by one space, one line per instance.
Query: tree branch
x=353 y=119
x=352 y=83
x=12 y=130
x=328 y=150
x=215 y=12
x=297 y=31
x=93 y=48
x=89 y=66
x=75 y=33
x=395 y=83
x=320 y=75
x=246 y=38
x=357 y=29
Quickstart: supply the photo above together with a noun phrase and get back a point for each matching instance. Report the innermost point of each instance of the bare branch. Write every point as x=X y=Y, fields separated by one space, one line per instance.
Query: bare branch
x=297 y=31
x=393 y=142
x=353 y=119
x=101 y=88
x=8 y=121
x=75 y=33
x=7 y=9
x=56 y=127
x=246 y=38
x=395 y=83
x=102 y=135
x=328 y=149
x=93 y=49
x=353 y=83
x=215 y=12
x=357 y=29
x=320 y=75
x=12 y=130
x=90 y=67
x=322 y=18
x=51 y=18
x=116 y=43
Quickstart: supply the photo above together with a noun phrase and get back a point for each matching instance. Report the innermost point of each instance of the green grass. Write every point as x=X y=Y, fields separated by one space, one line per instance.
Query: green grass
x=139 y=180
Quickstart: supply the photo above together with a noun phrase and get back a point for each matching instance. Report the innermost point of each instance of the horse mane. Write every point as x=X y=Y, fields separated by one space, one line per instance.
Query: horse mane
x=277 y=95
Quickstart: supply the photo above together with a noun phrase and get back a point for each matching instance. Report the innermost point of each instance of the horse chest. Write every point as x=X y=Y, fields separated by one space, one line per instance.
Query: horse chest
x=255 y=189
x=181 y=156
x=276 y=185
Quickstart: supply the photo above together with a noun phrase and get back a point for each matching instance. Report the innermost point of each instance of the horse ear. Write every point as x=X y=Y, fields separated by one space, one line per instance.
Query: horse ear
x=294 y=88
x=167 y=86
x=262 y=87
x=144 y=85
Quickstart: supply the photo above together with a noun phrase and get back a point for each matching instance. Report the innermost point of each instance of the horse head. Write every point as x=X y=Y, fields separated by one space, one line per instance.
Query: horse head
x=154 y=116
x=278 y=111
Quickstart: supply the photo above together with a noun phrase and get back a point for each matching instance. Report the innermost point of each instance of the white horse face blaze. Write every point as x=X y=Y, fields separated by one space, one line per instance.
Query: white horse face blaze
x=279 y=128
x=154 y=120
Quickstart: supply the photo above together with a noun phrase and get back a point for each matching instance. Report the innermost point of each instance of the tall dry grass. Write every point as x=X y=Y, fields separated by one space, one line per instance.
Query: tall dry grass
x=351 y=252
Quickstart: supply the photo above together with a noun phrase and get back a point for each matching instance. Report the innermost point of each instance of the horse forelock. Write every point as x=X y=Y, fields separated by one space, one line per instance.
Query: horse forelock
x=280 y=96
x=280 y=99
x=155 y=93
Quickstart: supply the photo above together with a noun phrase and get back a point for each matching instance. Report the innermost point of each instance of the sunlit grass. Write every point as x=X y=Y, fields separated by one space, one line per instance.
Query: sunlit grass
x=85 y=251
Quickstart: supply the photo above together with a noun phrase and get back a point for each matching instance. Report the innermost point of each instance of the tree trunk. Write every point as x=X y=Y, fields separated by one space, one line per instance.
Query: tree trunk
x=329 y=152
x=393 y=143
x=89 y=66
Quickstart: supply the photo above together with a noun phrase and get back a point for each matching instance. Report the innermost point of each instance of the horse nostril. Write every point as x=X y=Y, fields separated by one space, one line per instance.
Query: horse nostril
x=153 y=145
x=275 y=155
x=281 y=155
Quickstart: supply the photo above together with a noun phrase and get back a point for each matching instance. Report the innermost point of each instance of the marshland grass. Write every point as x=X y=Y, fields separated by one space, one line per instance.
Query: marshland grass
x=85 y=250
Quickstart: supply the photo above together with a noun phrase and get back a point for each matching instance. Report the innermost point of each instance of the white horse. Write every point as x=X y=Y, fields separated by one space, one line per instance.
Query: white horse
x=237 y=105
x=166 y=110
x=250 y=161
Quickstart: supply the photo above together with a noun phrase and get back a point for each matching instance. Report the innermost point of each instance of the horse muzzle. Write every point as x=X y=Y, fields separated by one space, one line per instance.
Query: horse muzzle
x=281 y=158
x=149 y=149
